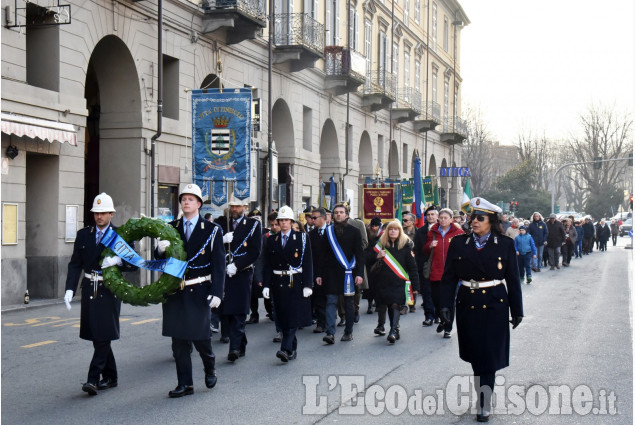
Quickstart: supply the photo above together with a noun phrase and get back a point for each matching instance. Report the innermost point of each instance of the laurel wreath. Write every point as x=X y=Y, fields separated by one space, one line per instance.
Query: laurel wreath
x=156 y=292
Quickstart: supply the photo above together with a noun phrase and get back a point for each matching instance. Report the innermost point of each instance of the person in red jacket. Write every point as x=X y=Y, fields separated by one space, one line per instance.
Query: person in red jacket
x=437 y=245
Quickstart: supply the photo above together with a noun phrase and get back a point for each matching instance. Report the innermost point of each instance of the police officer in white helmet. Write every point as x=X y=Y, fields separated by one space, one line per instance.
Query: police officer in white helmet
x=99 y=319
x=186 y=313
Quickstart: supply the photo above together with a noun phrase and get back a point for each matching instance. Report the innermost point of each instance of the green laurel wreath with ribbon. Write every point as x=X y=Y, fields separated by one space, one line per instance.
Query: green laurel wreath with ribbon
x=156 y=292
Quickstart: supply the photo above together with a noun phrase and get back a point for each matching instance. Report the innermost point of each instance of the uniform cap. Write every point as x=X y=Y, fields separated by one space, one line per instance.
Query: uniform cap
x=483 y=206
x=191 y=189
x=285 y=212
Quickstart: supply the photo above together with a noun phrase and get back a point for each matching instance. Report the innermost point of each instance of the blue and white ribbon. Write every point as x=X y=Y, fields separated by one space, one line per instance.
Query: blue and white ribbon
x=119 y=246
x=295 y=269
x=210 y=239
x=341 y=258
x=235 y=253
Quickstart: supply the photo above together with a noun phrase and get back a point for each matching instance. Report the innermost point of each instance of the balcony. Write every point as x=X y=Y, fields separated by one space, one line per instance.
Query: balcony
x=299 y=40
x=407 y=106
x=431 y=117
x=379 y=91
x=454 y=130
x=345 y=70
x=243 y=19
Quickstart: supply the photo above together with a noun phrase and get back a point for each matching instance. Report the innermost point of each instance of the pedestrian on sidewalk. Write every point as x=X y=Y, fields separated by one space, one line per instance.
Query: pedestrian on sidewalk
x=555 y=239
x=480 y=263
x=571 y=237
x=615 y=230
x=589 y=235
x=580 y=239
x=538 y=231
x=99 y=316
x=525 y=251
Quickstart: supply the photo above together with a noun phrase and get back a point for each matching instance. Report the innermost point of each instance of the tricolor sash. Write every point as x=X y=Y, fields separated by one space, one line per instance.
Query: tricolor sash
x=348 y=266
x=396 y=267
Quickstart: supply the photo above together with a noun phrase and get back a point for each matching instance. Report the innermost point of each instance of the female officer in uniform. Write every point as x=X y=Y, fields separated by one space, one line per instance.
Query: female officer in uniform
x=480 y=263
x=288 y=275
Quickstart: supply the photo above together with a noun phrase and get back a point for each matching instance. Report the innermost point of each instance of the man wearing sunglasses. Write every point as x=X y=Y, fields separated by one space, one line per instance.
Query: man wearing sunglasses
x=317 y=237
x=421 y=237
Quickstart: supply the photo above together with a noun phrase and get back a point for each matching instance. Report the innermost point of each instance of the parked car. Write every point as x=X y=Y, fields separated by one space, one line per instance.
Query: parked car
x=626 y=227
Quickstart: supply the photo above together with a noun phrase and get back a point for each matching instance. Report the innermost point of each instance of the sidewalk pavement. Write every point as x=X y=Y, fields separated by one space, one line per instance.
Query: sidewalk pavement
x=33 y=304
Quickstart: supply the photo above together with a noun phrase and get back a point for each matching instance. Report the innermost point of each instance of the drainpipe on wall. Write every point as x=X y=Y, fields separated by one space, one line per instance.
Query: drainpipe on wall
x=154 y=138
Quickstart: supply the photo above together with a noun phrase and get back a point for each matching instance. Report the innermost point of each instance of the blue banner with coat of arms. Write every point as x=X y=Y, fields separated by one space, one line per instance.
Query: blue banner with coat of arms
x=221 y=142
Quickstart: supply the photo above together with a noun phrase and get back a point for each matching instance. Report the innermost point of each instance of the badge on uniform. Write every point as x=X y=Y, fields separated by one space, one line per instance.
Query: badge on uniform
x=500 y=265
x=296 y=255
x=202 y=252
x=294 y=236
x=245 y=244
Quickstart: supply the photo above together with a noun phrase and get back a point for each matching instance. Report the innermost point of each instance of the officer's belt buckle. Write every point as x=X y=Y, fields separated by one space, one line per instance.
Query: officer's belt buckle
x=94 y=276
x=285 y=273
x=474 y=284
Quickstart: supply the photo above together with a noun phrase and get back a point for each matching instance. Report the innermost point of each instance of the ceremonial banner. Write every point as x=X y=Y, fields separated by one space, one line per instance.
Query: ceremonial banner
x=379 y=202
x=221 y=142
x=428 y=188
x=407 y=195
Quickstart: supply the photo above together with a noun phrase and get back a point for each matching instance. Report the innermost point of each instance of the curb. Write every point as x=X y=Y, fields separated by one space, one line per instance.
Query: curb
x=35 y=304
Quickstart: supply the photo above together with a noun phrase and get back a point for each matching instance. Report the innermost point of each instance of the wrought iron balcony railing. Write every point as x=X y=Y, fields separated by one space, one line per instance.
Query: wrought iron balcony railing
x=456 y=125
x=380 y=82
x=432 y=112
x=409 y=98
x=299 y=29
x=342 y=62
x=252 y=8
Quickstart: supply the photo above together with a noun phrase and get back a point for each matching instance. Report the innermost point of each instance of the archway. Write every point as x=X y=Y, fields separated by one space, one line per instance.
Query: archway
x=365 y=156
x=329 y=155
x=393 y=161
x=443 y=186
x=282 y=126
x=113 y=160
x=432 y=166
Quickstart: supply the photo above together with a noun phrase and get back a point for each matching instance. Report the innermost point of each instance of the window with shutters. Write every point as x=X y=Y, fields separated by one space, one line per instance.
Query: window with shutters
x=406 y=12
x=417 y=75
x=395 y=62
x=446 y=33
x=417 y=11
x=434 y=88
x=406 y=69
x=368 y=33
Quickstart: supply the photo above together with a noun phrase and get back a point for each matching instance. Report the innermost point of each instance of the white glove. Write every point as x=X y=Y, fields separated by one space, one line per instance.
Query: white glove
x=307 y=292
x=111 y=261
x=228 y=237
x=215 y=301
x=68 y=296
x=162 y=246
x=231 y=269
x=265 y=292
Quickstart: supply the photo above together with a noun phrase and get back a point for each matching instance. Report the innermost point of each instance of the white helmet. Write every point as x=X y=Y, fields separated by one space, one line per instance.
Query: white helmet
x=102 y=203
x=192 y=189
x=234 y=201
x=285 y=212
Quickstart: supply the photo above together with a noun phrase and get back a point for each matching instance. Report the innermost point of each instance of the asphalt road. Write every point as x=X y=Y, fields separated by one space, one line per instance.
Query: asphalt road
x=577 y=336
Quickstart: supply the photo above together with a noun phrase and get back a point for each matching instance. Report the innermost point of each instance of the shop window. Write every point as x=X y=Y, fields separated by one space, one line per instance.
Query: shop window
x=168 y=205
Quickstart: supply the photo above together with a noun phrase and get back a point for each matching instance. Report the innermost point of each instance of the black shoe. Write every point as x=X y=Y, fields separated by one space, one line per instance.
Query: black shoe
x=210 y=379
x=318 y=330
x=403 y=310
x=89 y=388
x=392 y=337
x=440 y=328
x=282 y=355
x=413 y=309
x=252 y=319
x=277 y=338
x=293 y=355
x=224 y=339
x=347 y=337
x=356 y=318
x=233 y=355
x=329 y=339
x=181 y=390
x=437 y=320
x=106 y=383
x=342 y=322
x=379 y=330
x=447 y=334
x=241 y=353
x=482 y=417
x=427 y=322
x=369 y=311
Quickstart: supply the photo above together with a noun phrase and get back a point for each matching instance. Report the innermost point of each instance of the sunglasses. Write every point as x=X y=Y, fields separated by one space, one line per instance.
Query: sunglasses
x=315 y=217
x=478 y=218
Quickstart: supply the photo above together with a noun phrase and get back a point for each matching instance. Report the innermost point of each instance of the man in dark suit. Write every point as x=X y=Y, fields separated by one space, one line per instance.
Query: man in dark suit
x=421 y=236
x=99 y=319
x=186 y=313
x=243 y=240
x=319 y=244
x=345 y=246
x=288 y=276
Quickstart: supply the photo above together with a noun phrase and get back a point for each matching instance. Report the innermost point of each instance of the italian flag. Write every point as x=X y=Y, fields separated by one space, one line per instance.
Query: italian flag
x=467 y=196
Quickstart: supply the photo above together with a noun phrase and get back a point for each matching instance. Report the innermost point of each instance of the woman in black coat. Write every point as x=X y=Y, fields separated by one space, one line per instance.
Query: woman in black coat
x=394 y=267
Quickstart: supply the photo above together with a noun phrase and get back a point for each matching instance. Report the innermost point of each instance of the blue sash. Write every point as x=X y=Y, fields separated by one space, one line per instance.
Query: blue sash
x=171 y=266
x=349 y=288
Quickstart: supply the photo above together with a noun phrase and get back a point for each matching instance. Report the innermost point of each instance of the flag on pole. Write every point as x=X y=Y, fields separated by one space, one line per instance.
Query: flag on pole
x=436 y=195
x=418 y=206
x=333 y=193
x=467 y=196
x=322 y=196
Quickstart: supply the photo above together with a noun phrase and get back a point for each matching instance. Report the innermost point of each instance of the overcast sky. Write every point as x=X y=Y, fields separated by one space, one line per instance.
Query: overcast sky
x=536 y=65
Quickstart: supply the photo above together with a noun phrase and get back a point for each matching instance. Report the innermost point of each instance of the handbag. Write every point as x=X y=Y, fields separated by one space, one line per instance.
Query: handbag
x=427 y=266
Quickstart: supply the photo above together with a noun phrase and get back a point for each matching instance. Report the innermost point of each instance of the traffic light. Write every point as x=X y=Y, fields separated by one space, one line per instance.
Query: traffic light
x=597 y=165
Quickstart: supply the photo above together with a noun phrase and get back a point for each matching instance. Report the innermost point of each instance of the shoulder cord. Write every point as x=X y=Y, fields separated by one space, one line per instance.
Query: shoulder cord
x=210 y=239
x=234 y=254
x=302 y=256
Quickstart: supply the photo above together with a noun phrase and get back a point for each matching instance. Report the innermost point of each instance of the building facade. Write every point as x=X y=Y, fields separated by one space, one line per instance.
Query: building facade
x=80 y=95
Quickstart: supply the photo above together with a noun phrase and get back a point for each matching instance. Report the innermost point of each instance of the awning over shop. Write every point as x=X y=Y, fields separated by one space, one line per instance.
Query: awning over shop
x=38 y=128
